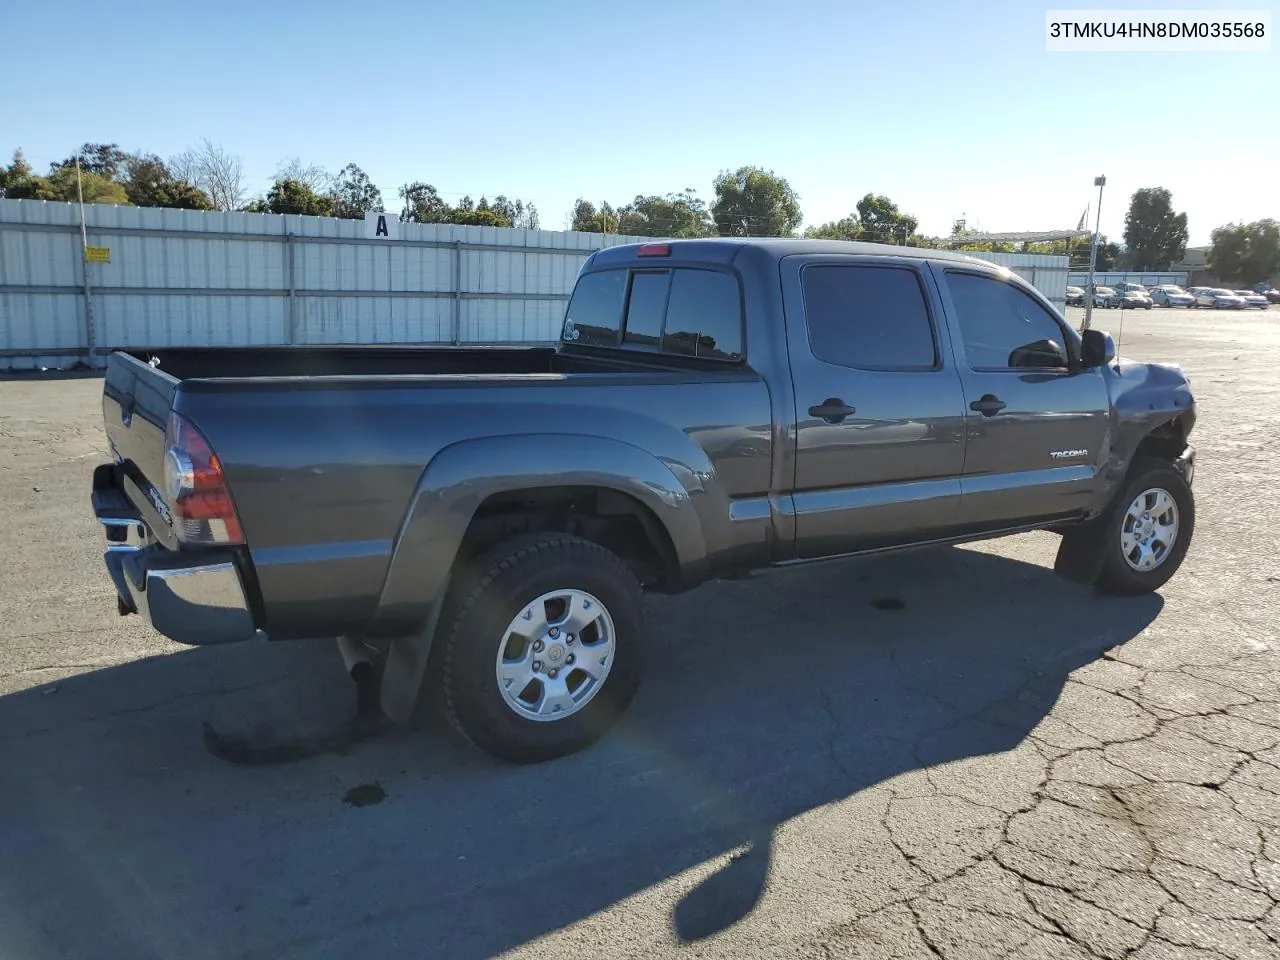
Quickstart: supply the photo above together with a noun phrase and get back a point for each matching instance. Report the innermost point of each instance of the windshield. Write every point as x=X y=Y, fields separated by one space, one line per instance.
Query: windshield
x=1106 y=291
x=1174 y=290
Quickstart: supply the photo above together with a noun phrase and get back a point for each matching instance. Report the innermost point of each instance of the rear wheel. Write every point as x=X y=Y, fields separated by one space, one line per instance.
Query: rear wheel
x=541 y=649
x=1149 y=531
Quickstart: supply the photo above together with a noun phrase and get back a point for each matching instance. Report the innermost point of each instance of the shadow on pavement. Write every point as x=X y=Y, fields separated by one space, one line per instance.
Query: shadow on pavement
x=764 y=699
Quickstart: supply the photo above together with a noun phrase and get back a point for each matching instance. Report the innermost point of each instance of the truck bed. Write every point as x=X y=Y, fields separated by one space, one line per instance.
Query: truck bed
x=324 y=448
x=201 y=363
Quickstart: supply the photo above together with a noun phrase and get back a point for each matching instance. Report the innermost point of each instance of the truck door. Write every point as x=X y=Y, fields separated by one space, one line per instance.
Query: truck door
x=879 y=408
x=1037 y=422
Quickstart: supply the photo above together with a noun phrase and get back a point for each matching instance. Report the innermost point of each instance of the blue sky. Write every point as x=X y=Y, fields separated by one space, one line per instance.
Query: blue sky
x=951 y=109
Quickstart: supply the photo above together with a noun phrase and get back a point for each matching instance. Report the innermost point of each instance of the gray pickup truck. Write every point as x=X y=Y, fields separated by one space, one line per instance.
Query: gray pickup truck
x=484 y=522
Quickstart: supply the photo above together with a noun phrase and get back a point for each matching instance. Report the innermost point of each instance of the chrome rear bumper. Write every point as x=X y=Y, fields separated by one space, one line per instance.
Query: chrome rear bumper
x=195 y=598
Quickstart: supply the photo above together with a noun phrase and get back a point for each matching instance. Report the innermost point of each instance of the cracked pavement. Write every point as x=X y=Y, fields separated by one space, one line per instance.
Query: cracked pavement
x=1008 y=766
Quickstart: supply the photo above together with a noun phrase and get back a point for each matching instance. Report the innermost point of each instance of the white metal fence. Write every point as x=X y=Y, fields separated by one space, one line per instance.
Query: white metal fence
x=1149 y=278
x=188 y=278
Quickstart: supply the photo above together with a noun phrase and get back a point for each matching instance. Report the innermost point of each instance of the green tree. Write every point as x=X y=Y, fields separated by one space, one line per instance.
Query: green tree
x=422 y=204
x=847 y=228
x=587 y=219
x=678 y=215
x=1108 y=255
x=354 y=194
x=1154 y=236
x=469 y=213
x=1245 y=253
x=883 y=222
x=149 y=183
x=19 y=182
x=104 y=159
x=754 y=202
x=291 y=196
x=97 y=188
x=517 y=213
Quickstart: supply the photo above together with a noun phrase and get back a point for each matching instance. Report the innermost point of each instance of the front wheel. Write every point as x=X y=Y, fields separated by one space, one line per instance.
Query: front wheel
x=540 y=651
x=1148 y=533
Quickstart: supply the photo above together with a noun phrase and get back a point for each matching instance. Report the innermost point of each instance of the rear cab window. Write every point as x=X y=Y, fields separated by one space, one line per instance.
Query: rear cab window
x=676 y=311
x=868 y=317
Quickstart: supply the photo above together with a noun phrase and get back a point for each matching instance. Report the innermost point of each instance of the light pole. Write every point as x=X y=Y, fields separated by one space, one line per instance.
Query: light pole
x=1098 y=182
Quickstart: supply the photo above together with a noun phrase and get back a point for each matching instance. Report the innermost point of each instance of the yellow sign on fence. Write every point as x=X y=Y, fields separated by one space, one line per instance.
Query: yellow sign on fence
x=97 y=254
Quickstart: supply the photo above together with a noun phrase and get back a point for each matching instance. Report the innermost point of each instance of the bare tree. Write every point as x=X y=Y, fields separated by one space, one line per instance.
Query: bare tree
x=310 y=175
x=215 y=171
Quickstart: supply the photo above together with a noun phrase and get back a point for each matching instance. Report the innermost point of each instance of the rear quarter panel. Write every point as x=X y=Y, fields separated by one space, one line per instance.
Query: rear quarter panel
x=325 y=471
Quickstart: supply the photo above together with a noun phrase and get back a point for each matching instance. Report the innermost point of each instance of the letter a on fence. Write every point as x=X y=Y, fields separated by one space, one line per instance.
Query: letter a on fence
x=381 y=226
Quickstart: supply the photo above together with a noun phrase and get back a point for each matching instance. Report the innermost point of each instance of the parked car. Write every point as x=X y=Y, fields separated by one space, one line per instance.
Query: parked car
x=1171 y=295
x=490 y=518
x=1219 y=299
x=1268 y=291
x=1104 y=297
x=1133 y=300
x=1075 y=296
x=1252 y=299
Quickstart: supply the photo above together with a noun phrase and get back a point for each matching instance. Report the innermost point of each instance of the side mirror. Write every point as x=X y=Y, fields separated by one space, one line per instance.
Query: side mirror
x=1096 y=349
x=1042 y=353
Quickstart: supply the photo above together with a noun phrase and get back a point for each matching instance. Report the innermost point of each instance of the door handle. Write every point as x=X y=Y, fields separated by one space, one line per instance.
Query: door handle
x=988 y=406
x=832 y=410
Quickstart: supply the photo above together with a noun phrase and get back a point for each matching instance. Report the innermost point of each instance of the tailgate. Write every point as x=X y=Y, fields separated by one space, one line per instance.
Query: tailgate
x=136 y=400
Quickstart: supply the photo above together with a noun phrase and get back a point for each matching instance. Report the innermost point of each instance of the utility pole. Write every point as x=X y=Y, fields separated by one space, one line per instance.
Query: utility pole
x=1098 y=182
x=89 y=333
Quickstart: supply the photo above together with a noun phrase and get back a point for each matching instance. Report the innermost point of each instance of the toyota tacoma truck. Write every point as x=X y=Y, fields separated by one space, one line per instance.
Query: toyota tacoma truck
x=483 y=524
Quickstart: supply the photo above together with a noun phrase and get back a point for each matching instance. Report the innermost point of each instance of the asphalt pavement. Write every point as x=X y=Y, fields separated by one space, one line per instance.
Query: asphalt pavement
x=943 y=753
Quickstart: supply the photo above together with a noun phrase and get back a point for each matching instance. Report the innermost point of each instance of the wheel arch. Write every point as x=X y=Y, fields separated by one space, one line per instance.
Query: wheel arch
x=477 y=492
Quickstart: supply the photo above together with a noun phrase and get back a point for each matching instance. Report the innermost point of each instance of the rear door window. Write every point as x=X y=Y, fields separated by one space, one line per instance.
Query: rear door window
x=868 y=317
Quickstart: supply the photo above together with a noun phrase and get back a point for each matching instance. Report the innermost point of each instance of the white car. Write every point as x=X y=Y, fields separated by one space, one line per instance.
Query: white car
x=1219 y=299
x=1252 y=299
x=1172 y=295
x=1103 y=297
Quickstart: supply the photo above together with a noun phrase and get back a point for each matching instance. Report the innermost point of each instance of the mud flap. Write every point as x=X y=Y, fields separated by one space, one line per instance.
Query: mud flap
x=1082 y=552
x=407 y=664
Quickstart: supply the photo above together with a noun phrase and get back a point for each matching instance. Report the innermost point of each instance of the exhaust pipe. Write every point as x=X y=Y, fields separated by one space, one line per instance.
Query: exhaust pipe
x=356 y=659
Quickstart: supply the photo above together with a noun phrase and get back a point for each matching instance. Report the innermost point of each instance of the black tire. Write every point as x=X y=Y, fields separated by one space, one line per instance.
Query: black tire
x=1117 y=576
x=486 y=601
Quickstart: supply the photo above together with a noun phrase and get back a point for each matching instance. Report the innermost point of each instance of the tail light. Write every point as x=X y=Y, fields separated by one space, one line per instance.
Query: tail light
x=195 y=488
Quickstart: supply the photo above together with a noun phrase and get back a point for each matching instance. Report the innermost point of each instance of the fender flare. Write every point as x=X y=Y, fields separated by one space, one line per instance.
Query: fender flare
x=454 y=485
